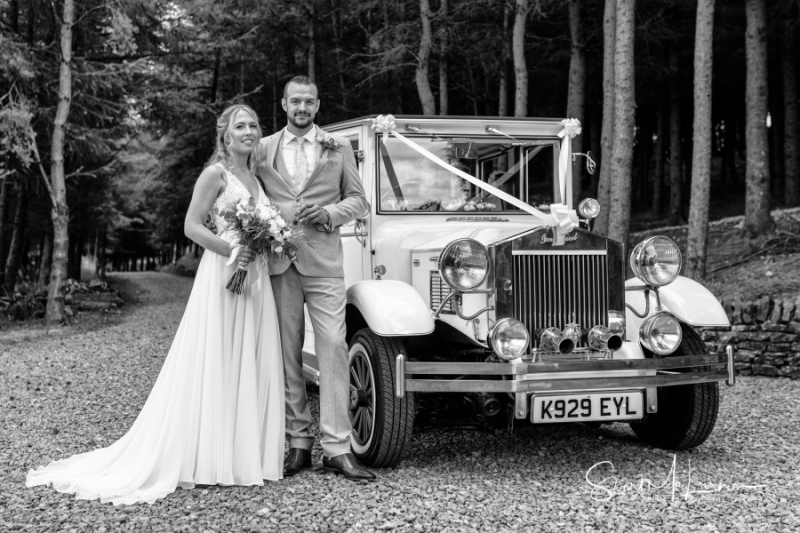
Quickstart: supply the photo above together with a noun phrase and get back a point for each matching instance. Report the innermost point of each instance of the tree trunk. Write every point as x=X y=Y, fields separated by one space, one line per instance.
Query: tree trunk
x=31 y=23
x=675 y=145
x=14 y=16
x=757 y=219
x=576 y=94
x=337 y=42
x=701 y=135
x=5 y=205
x=59 y=209
x=275 y=92
x=502 y=100
x=624 y=122
x=731 y=149
x=242 y=60
x=659 y=151
x=15 y=250
x=444 y=107
x=520 y=66
x=594 y=113
x=423 y=61
x=75 y=256
x=775 y=135
x=607 y=134
x=312 y=47
x=46 y=263
x=215 y=76
x=791 y=140
x=474 y=94
x=641 y=159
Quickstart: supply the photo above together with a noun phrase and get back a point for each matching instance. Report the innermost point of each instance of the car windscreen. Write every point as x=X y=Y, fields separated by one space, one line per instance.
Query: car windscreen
x=525 y=169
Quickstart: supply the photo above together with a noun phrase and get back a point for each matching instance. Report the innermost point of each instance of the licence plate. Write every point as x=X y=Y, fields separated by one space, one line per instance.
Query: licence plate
x=587 y=407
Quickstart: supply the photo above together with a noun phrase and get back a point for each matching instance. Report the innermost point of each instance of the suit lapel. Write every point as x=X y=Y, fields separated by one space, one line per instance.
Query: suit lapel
x=273 y=144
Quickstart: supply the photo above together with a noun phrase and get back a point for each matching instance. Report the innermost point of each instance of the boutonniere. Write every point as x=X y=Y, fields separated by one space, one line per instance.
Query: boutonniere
x=327 y=141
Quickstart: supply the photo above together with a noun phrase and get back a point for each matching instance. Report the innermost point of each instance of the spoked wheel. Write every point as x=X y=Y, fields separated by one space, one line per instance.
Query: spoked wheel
x=686 y=413
x=382 y=422
x=362 y=398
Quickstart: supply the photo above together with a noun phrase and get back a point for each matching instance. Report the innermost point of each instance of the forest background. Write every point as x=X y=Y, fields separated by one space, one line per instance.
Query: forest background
x=107 y=107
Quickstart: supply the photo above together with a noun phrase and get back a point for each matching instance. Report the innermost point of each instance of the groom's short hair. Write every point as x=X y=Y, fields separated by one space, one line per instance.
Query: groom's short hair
x=299 y=80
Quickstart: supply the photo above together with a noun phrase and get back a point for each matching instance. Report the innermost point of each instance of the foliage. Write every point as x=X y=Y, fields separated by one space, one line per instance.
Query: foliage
x=151 y=76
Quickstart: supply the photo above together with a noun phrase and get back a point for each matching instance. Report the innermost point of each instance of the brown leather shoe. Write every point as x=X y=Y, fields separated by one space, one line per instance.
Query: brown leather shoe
x=347 y=466
x=296 y=460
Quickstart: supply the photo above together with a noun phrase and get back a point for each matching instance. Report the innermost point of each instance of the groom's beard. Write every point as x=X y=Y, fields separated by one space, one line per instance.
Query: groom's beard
x=301 y=121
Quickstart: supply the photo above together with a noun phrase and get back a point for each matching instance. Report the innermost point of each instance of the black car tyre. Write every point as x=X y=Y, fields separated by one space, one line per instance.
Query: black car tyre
x=382 y=422
x=686 y=413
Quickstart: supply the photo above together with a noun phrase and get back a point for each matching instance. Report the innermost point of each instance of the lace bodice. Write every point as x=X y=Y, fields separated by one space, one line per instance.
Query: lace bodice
x=233 y=192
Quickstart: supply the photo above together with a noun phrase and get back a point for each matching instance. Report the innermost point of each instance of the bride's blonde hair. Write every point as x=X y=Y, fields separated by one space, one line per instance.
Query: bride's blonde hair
x=222 y=150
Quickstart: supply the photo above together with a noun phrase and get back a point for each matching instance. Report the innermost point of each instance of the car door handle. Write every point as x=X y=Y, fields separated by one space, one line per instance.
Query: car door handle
x=360 y=231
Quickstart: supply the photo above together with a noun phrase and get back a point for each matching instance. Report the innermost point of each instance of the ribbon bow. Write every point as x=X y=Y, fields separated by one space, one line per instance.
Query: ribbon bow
x=384 y=124
x=572 y=127
x=563 y=220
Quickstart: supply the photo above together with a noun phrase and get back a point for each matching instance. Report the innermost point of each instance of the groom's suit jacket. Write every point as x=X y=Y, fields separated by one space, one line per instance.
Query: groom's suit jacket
x=334 y=184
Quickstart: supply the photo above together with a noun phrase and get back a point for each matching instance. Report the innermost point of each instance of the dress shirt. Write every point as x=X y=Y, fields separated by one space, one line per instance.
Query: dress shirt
x=311 y=147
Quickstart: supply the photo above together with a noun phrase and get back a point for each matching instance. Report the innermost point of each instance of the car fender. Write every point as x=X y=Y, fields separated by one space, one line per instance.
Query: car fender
x=689 y=301
x=391 y=308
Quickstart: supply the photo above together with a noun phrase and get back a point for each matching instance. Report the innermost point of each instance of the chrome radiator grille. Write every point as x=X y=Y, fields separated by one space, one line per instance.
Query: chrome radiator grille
x=559 y=289
x=439 y=291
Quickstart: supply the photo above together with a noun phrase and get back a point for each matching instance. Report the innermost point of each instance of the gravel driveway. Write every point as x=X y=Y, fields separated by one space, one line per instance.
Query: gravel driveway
x=65 y=394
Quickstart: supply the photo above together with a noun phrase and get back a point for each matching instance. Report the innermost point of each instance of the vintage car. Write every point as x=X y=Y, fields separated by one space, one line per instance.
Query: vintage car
x=453 y=290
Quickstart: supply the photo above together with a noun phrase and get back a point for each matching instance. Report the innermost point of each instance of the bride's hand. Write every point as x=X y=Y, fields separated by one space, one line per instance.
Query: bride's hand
x=245 y=257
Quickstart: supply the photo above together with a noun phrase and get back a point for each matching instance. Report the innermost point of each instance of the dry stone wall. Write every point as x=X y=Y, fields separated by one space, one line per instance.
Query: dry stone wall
x=765 y=335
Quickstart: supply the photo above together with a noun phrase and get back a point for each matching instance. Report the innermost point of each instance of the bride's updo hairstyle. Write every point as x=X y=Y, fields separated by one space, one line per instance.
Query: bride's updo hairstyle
x=223 y=143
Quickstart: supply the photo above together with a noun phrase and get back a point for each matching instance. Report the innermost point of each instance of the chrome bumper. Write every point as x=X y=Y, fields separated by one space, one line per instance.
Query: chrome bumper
x=522 y=379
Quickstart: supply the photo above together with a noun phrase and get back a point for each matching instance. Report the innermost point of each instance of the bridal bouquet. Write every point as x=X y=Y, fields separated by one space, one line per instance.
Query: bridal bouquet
x=260 y=227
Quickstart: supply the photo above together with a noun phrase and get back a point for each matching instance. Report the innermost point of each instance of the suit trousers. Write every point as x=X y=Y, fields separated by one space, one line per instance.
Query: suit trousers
x=326 y=300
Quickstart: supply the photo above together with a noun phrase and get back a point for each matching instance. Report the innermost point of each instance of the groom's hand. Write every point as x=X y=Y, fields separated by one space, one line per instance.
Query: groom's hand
x=313 y=214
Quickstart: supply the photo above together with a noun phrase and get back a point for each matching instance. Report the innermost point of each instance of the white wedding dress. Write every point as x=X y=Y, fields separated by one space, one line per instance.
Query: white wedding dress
x=215 y=415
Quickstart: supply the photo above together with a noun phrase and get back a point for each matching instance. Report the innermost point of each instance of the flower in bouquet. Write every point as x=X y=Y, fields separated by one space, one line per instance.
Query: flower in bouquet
x=260 y=227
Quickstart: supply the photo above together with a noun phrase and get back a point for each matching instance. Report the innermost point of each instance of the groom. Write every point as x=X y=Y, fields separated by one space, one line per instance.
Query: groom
x=313 y=179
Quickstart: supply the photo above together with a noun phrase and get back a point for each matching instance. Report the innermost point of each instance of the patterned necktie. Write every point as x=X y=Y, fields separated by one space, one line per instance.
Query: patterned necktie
x=300 y=163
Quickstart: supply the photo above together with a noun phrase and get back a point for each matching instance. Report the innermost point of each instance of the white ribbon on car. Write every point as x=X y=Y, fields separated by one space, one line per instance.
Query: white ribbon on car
x=572 y=127
x=252 y=273
x=561 y=218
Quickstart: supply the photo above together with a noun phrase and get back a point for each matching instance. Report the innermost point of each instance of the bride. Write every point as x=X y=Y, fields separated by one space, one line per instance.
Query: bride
x=215 y=415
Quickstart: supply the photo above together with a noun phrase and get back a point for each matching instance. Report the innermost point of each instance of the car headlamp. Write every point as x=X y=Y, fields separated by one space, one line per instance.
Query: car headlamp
x=656 y=261
x=509 y=338
x=464 y=264
x=661 y=333
x=589 y=208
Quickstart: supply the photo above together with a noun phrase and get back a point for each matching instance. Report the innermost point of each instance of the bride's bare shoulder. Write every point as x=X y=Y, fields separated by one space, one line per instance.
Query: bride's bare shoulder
x=213 y=176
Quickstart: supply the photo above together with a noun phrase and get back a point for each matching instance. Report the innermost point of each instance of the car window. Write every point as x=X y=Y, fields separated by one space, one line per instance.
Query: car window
x=411 y=182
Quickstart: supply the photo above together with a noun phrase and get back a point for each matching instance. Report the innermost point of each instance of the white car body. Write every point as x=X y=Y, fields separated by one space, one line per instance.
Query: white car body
x=391 y=266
